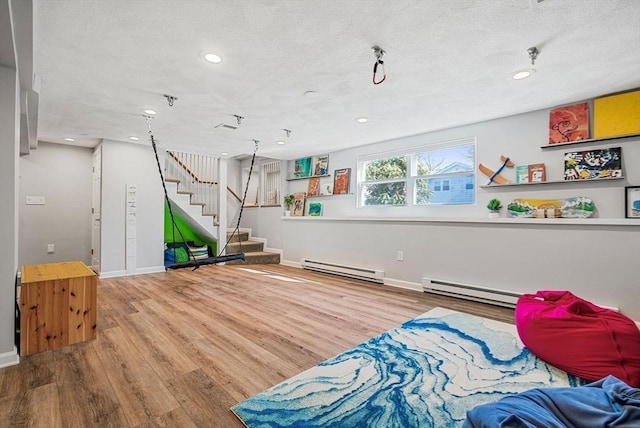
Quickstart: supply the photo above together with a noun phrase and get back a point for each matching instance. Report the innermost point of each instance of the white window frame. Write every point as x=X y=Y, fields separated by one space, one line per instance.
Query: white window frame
x=412 y=176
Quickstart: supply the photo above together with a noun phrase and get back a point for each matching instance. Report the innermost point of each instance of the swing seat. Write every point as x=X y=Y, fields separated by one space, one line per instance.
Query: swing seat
x=207 y=261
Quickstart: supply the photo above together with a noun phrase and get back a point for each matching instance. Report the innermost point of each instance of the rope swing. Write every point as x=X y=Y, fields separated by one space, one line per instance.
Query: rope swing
x=193 y=263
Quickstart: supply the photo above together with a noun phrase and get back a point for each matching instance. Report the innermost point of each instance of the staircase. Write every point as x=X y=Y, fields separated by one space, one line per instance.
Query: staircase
x=253 y=251
x=192 y=188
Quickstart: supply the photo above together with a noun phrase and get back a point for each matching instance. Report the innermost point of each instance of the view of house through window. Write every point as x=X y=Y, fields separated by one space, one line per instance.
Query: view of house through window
x=436 y=174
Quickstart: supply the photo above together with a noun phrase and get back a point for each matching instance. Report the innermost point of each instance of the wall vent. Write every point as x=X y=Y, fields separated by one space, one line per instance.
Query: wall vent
x=373 y=275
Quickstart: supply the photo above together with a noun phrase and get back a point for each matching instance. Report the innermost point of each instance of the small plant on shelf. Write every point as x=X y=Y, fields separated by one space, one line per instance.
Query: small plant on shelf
x=494 y=206
x=288 y=201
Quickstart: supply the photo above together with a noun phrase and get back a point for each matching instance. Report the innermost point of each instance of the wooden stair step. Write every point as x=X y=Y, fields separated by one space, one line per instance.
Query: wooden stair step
x=258 y=258
x=247 y=247
x=242 y=236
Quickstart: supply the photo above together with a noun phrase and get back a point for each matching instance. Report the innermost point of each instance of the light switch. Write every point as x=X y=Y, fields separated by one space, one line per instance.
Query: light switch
x=51 y=248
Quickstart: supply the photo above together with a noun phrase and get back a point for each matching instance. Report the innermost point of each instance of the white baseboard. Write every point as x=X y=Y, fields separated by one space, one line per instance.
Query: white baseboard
x=290 y=263
x=112 y=274
x=140 y=271
x=414 y=286
x=152 y=269
x=10 y=358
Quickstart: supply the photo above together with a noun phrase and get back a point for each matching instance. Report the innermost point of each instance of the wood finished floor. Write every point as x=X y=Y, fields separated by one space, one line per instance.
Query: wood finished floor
x=178 y=349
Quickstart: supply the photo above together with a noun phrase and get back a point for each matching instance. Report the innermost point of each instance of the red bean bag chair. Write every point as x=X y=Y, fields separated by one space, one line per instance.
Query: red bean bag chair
x=579 y=337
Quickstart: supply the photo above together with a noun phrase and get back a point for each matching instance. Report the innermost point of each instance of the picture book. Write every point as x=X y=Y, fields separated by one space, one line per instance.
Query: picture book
x=315 y=209
x=522 y=173
x=298 y=204
x=569 y=123
x=313 y=187
x=322 y=165
x=341 y=180
x=536 y=173
x=302 y=168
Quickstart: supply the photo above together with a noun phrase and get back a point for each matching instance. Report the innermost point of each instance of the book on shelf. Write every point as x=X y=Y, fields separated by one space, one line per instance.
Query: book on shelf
x=341 y=180
x=315 y=209
x=321 y=166
x=313 y=187
x=536 y=173
x=522 y=173
x=298 y=204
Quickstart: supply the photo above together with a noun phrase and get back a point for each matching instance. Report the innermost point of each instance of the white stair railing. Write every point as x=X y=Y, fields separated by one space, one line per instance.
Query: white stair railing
x=197 y=175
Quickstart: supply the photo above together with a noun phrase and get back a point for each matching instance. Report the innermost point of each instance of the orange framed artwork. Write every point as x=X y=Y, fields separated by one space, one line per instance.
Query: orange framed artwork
x=341 y=179
x=569 y=123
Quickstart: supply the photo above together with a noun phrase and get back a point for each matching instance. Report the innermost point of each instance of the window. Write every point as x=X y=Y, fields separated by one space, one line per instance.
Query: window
x=385 y=181
x=436 y=174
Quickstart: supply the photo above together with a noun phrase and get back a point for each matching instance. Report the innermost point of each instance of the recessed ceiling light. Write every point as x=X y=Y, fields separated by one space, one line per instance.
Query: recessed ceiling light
x=224 y=154
x=134 y=138
x=213 y=58
x=69 y=139
x=310 y=94
x=282 y=143
x=362 y=120
x=522 y=74
x=149 y=111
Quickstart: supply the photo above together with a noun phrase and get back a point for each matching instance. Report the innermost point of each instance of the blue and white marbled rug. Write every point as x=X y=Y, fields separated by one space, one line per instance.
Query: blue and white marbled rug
x=425 y=373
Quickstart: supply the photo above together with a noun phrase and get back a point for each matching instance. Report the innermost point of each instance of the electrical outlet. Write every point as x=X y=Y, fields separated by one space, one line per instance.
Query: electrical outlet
x=400 y=255
x=51 y=248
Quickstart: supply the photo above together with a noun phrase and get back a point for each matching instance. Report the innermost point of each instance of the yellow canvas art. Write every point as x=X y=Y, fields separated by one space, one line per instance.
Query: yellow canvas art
x=616 y=115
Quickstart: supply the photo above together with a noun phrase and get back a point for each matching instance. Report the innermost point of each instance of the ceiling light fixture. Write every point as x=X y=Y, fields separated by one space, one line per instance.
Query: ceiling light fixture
x=522 y=74
x=282 y=143
x=132 y=138
x=362 y=120
x=310 y=94
x=69 y=139
x=224 y=154
x=213 y=58
x=149 y=111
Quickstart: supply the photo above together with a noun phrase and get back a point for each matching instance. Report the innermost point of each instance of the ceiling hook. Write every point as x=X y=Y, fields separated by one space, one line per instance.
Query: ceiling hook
x=288 y=131
x=533 y=54
x=170 y=99
x=239 y=119
x=378 y=52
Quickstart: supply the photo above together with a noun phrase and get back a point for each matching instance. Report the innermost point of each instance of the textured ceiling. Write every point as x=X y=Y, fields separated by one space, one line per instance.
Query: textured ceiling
x=448 y=63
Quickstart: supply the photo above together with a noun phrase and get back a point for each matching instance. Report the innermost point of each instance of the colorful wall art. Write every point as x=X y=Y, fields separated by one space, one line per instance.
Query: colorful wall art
x=569 y=123
x=593 y=164
x=616 y=115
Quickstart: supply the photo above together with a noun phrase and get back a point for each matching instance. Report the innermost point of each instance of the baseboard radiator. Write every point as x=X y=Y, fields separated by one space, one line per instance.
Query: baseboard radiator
x=373 y=275
x=471 y=292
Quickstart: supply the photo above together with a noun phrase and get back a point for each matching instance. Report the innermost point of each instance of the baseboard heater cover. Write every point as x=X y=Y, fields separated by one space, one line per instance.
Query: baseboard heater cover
x=373 y=275
x=471 y=292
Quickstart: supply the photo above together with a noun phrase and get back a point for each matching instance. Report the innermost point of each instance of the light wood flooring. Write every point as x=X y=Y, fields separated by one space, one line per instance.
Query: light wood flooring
x=178 y=349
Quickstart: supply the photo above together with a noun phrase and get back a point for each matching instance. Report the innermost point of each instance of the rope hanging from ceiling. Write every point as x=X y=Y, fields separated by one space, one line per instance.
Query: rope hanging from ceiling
x=196 y=263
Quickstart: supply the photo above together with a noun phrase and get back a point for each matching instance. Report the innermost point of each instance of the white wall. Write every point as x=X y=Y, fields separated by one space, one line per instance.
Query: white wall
x=62 y=175
x=9 y=153
x=122 y=164
x=595 y=261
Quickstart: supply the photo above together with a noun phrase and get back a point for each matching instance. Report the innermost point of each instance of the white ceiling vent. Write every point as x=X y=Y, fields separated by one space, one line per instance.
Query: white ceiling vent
x=227 y=126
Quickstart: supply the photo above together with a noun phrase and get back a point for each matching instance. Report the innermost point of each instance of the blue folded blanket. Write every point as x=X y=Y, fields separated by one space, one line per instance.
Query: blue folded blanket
x=608 y=402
